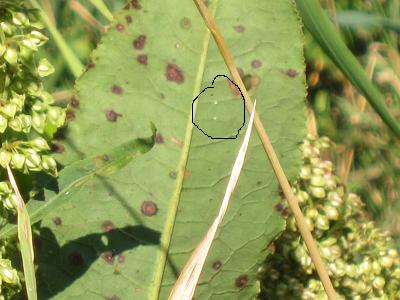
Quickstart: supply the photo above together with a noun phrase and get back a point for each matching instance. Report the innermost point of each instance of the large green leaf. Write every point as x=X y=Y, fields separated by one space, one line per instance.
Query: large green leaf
x=112 y=241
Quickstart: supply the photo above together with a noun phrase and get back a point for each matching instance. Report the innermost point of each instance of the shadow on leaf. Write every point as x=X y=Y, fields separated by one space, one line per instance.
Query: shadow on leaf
x=59 y=266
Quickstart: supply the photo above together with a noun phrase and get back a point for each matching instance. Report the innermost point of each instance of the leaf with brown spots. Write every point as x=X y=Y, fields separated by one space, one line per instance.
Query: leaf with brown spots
x=152 y=71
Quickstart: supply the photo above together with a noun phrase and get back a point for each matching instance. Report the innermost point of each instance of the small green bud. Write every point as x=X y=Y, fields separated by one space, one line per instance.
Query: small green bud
x=4 y=188
x=318 y=192
x=39 y=144
x=302 y=196
x=322 y=222
x=378 y=283
x=17 y=160
x=45 y=68
x=39 y=106
x=33 y=161
x=330 y=183
x=312 y=213
x=11 y=202
x=20 y=18
x=28 y=43
x=5 y=158
x=9 y=275
x=393 y=253
x=331 y=212
x=365 y=267
x=351 y=270
x=15 y=124
x=49 y=164
x=2 y=49
x=38 y=121
x=38 y=38
x=386 y=261
x=18 y=100
x=26 y=122
x=56 y=115
x=318 y=171
x=3 y=123
x=305 y=172
x=9 y=110
x=376 y=267
x=11 y=56
x=317 y=181
x=7 y=28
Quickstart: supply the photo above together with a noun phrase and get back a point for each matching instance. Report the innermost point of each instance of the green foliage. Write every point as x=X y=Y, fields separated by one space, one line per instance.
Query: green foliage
x=360 y=258
x=112 y=240
x=28 y=119
x=318 y=24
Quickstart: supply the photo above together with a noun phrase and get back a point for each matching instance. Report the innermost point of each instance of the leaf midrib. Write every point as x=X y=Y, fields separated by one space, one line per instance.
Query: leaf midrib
x=174 y=201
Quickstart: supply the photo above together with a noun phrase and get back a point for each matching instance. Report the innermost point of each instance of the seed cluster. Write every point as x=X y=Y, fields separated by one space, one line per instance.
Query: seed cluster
x=28 y=116
x=360 y=258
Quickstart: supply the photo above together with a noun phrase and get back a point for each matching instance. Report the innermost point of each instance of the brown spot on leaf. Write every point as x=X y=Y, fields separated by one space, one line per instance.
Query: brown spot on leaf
x=139 y=42
x=173 y=174
x=128 y=19
x=106 y=157
x=114 y=297
x=186 y=173
x=256 y=63
x=176 y=141
x=291 y=73
x=120 y=27
x=107 y=226
x=76 y=259
x=116 y=89
x=159 y=139
x=74 y=102
x=70 y=115
x=149 y=208
x=185 y=23
x=57 y=221
x=239 y=28
x=251 y=81
x=112 y=116
x=57 y=148
x=174 y=73
x=108 y=257
x=285 y=212
x=217 y=265
x=279 y=207
x=90 y=64
x=136 y=4
x=241 y=281
x=142 y=59
x=121 y=259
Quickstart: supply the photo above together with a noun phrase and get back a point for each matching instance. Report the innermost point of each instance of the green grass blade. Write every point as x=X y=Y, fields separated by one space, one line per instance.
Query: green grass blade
x=318 y=24
x=72 y=177
x=355 y=19
x=71 y=59
x=25 y=241
x=100 y=5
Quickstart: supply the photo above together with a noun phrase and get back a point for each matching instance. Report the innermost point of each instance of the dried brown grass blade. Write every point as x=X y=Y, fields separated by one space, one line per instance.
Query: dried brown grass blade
x=186 y=284
x=25 y=240
x=280 y=175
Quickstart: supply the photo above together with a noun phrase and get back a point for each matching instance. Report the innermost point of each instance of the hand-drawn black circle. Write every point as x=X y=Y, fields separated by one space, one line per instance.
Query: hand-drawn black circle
x=244 y=114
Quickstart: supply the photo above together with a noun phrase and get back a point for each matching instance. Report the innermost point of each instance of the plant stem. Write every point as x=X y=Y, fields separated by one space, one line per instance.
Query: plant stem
x=72 y=60
x=99 y=4
x=287 y=190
